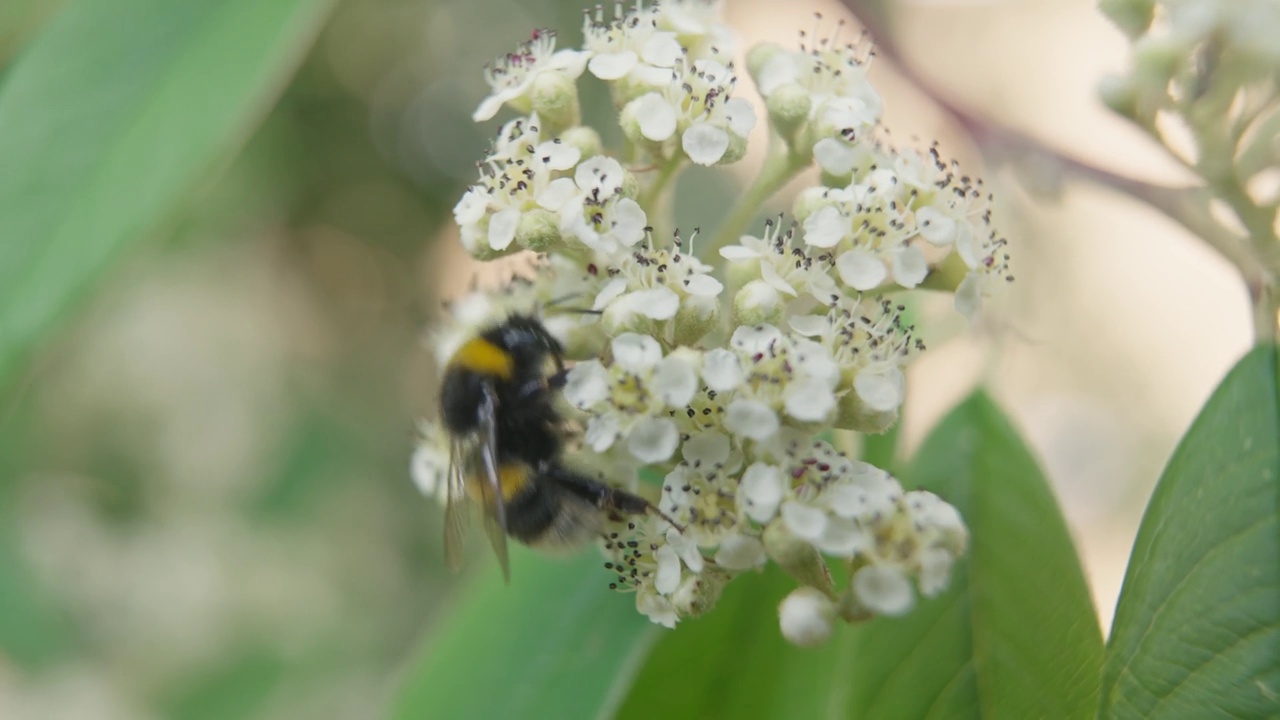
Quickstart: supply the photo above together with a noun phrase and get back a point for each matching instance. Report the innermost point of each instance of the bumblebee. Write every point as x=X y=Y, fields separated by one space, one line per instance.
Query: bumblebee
x=497 y=403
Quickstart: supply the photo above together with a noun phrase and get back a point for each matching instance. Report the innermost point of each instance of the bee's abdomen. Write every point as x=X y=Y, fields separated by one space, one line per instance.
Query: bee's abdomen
x=544 y=515
x=532 y=512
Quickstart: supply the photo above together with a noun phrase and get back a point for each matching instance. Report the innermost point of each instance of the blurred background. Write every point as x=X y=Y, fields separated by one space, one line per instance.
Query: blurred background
x=206 y=505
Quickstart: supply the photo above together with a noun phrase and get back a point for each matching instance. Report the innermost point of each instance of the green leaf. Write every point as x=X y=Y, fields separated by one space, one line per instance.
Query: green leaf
x=1015 y=635
x=1197 y=628
x=106 y=122
x=556 y=643
x=734 y=663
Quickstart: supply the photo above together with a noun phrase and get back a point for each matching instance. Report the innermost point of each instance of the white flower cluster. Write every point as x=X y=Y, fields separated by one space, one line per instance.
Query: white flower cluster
x=731 y=376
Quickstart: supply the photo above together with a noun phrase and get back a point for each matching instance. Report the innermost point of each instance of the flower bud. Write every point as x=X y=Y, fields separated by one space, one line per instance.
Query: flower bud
x=807 y=617
x=1133 y=17
x=788 y=108
x=539 y=230
x=695 y=318
x=736 y=151
x=555 y=99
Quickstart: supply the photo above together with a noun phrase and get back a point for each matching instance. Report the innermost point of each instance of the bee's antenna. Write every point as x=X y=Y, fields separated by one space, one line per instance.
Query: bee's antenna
x=581 y=311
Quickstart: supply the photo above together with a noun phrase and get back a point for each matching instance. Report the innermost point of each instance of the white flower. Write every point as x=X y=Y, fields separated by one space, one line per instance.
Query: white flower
x=696 y=497
x=656 y=285
x=513 y=75
x=513 y=179
x=698 y=25
x=592 y=209
x=632 y=397
x=785 y=266
x=781 y=373
x=868 y=344
x=807 y=617
x=843 y=105
x=429 y=466
x=988 y=269
x=697 y=105
x=630 y=47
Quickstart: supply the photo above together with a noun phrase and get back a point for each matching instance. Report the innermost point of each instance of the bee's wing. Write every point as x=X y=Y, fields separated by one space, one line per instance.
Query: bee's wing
x=495 y=516
x=455 y=508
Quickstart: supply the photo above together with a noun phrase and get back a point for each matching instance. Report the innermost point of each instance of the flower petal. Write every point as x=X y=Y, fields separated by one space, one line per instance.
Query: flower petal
x=861 y=269
x=825 y=228
x=653 y=440
x=635 y=353
x=761 y=491
x=704 y=143
x=751 y=419
x=884 y=590
x=721 y=370
x=655 y=115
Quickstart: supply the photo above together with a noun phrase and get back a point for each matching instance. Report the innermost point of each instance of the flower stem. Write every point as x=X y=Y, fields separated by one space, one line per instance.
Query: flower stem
x=657 y=198
x=779 y=167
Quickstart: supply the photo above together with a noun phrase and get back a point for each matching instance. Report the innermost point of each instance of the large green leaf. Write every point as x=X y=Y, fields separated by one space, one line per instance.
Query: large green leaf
x=1015 y=636
x=556 y=643
x=106 y=121
x=1197 y=629
x=734 y=663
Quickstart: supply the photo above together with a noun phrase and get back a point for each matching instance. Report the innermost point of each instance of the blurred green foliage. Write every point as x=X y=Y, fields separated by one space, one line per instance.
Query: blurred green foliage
x=204 y=500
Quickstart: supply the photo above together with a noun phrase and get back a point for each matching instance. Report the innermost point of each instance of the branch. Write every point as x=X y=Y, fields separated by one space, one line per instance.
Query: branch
x=1188 y=206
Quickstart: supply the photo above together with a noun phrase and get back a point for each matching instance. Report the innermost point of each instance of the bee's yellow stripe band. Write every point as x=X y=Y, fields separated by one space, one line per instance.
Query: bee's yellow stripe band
x=480 y=355
x=511 y=480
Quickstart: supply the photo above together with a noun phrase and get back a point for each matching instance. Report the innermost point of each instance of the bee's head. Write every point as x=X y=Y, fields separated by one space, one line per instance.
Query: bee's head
x=525 y=334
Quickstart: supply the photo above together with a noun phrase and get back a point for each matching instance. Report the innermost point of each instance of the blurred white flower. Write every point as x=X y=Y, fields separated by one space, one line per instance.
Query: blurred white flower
x=513 y=76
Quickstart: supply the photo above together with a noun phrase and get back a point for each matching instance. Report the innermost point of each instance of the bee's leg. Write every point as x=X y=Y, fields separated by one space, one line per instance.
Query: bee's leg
x=612 y=500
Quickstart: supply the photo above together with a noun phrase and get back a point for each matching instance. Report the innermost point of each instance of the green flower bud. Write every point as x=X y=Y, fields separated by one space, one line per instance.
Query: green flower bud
x=1133 y=17
x=555 y=99
x=695 y=319
x=539 y=230
x=788 y=108
x=1156 y=59
x=736 y=151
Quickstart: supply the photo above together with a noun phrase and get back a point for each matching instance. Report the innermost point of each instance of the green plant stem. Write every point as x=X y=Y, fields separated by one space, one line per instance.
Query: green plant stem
x=779 y=167
x=657 y=198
